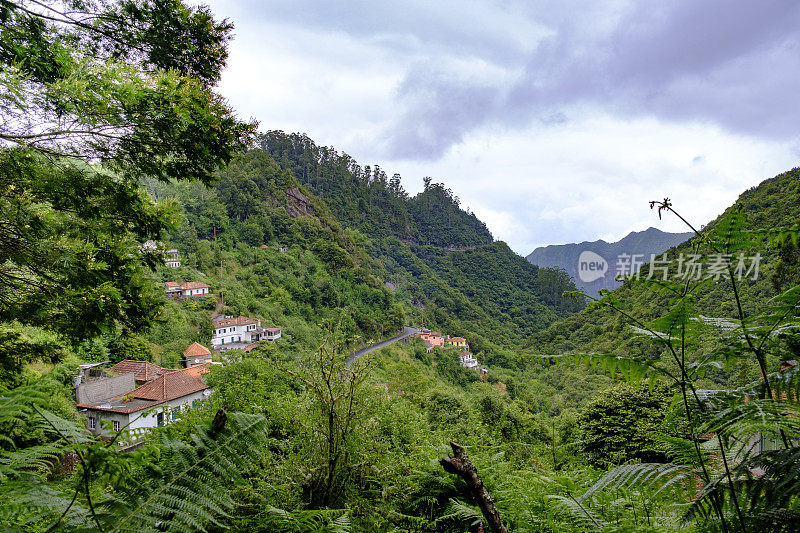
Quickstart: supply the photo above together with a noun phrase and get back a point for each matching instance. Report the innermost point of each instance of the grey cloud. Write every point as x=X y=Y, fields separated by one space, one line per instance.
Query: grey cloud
x=441 y=108
x=418 y=26
x=731 y=64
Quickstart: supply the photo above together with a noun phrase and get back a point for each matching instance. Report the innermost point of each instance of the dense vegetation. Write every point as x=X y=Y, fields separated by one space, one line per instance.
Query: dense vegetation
x=772 y=204
x=364 y=198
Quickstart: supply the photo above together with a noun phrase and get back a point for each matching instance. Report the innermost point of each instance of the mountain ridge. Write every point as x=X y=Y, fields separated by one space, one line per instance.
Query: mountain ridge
x=566 y=256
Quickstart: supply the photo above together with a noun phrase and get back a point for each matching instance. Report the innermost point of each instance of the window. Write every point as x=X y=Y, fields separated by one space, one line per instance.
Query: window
x=160 y=418
x=92 y=422
x=116 y=425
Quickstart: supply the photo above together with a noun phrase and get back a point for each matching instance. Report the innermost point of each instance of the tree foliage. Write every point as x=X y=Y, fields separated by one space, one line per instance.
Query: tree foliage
x=97 y=96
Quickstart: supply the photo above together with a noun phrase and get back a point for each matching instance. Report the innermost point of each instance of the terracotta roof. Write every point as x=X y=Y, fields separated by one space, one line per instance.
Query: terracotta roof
x=238 y=321
x=273 y=330
x=196 y=349
x=195 y=285
x=435 y=334
x=142 y=370
x=173 y=385
x=458 y=339
x=465 y=353
x=173 y=284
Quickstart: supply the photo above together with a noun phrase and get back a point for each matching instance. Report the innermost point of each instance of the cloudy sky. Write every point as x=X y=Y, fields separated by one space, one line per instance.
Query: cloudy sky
x=554 y=121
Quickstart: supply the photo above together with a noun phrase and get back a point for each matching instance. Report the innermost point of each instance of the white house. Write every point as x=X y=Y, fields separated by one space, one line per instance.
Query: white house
x=467 y=360
x=273 y=334
x=190 y=289
x=153 y=404
x=240 y=333
x=170 y=257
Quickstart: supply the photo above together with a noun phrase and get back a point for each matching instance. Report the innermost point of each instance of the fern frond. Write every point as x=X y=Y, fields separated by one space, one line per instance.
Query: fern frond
x=306 y=521
x=646 y=475
x=191 y=490
x=461 y=513
x=585 y=517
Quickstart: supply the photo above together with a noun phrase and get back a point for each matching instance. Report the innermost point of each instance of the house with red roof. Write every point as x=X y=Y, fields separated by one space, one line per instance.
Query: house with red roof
x=153 y=404
x=143 y=371
x=433 y=338
x=457 y=342
x=196 y=354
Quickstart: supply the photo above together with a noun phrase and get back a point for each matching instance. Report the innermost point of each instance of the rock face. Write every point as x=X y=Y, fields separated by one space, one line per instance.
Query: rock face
x=297 y=203
x=595 y=265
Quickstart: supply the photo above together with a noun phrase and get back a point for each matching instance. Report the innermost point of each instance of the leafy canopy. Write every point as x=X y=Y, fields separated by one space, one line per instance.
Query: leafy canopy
x=96 y=96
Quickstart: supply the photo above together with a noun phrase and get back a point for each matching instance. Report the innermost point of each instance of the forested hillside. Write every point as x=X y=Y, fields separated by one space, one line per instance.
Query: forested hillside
x=486 y=292
x=366 y=199
x=480 y=283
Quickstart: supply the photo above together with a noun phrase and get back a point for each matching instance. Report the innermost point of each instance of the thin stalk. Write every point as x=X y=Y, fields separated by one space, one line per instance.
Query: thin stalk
x=734 y=497
x=762 y=363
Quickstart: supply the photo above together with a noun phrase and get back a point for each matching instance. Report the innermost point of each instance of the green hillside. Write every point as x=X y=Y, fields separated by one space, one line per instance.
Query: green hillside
x=437 y=255
x=366 y=199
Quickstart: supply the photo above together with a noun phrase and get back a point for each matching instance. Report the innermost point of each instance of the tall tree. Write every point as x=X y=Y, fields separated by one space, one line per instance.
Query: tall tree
x=96 y=96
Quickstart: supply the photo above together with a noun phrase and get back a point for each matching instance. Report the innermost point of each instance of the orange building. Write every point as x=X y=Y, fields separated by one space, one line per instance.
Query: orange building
x=434 y=338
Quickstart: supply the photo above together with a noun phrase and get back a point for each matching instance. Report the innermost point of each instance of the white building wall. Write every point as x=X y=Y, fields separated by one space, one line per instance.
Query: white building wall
x=145 y=419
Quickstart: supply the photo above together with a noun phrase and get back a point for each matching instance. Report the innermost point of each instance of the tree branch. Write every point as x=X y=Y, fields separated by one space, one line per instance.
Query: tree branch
x=461 y=466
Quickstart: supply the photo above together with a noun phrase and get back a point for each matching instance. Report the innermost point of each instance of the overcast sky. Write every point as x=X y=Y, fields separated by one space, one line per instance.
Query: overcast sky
x=554 y=121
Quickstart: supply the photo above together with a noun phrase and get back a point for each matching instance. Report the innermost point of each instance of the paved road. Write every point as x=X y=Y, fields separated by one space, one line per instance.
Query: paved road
x=407 y=332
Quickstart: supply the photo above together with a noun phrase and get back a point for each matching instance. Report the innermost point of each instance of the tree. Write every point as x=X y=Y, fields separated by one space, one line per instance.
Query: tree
x=97 y=96
x=337 y=393
x=623 y=423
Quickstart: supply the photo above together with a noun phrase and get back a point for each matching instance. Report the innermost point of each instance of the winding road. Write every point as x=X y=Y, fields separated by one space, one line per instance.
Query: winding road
x=407 y=332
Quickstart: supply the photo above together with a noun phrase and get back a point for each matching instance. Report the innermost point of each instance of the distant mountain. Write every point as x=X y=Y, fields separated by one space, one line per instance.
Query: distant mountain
x=595 y=265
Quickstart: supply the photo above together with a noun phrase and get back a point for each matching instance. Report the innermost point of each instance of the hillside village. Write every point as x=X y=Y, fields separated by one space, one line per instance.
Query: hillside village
x=135 y=395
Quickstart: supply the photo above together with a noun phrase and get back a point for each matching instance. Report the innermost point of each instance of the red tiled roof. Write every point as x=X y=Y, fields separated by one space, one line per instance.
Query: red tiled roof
x=173 y=284
x=273 y=330
x=458 y=339
x=465 y=353
x=142 y=370
x=238 y=321
x=435 y=334
x=196 y=349
x=173 y=385
x=195 y=285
